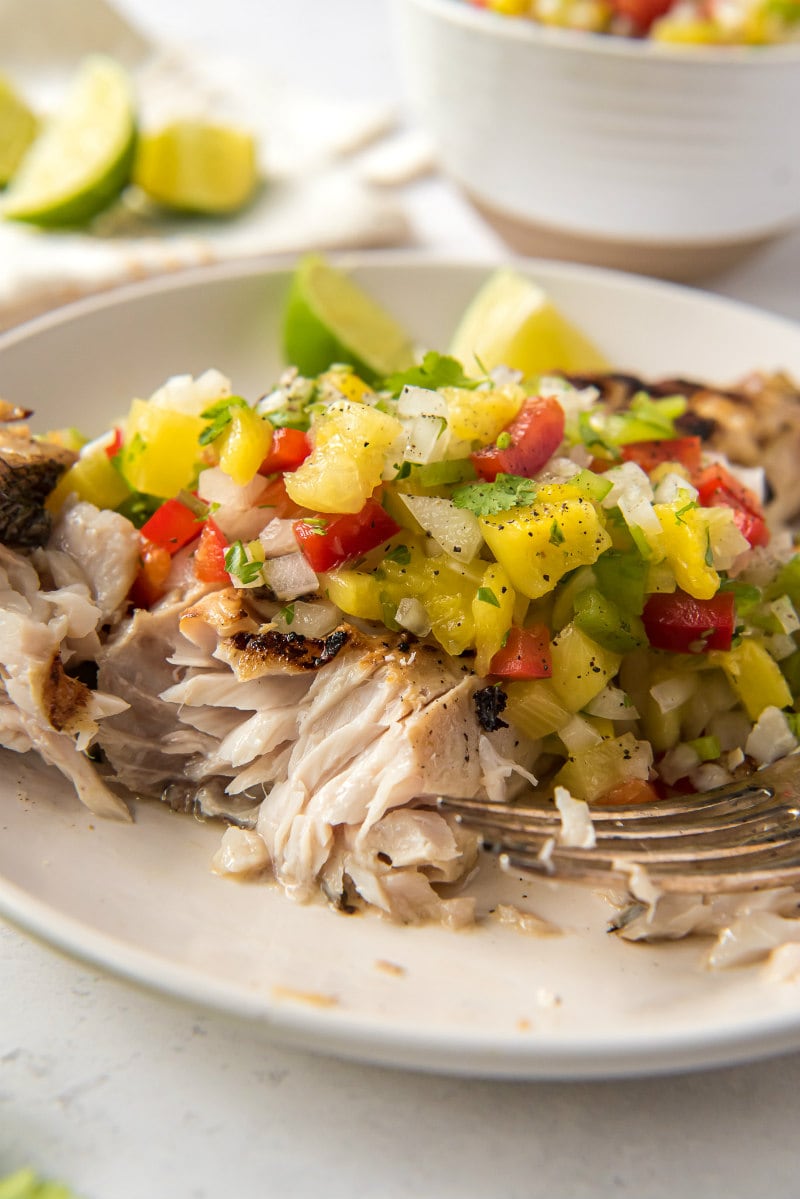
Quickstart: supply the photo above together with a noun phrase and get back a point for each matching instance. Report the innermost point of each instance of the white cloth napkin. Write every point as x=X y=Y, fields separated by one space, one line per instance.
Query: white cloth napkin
x=315 y=195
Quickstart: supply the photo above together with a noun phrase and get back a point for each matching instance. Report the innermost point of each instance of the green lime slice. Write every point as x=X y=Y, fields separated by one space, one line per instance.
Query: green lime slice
x=328 y=319
x=82 y=159
x=512 y=322
x=194 y=166
x=17 y=130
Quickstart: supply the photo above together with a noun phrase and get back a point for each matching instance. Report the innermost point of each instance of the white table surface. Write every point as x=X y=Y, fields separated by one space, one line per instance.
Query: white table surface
x=125 y=1095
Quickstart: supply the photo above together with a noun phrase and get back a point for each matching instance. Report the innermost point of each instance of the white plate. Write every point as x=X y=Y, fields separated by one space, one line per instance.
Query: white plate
x=140 y=900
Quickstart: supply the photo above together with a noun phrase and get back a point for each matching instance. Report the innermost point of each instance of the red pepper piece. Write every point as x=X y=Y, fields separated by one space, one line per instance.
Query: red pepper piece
x=172 y=526
x=650 y=454
x=288 y=449
x=526 y=444
x=525 y=655
x=329 y=541
x=209 y=557
x=642 y=13
x=115 y=445
x=717 y=487
x=684 y=625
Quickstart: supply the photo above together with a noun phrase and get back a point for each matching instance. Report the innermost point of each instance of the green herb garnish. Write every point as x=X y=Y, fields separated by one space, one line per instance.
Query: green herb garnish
x=239 y=565
x=220 y=415
x=487 y=499
x=435 y=371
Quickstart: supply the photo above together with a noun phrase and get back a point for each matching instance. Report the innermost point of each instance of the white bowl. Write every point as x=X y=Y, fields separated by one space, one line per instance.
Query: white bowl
x=629 y=152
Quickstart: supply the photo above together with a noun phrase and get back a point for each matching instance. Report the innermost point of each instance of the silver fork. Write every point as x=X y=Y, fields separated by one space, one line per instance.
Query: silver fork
x=740 y=837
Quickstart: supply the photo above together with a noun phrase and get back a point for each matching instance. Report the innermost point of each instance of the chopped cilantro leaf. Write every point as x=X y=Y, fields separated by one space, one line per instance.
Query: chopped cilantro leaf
x=401 y=554
x=486 y=499
x=317 y=524
x=220 y=415
x=288 y=613
x=556 y=533
x=488 y=596
x=239 y=565
x=435 y=370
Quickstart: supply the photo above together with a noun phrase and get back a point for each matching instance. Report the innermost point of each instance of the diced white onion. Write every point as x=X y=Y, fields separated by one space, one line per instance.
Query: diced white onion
x=674 y=487
x=612 y=703
x=240 y=524
x=182 y=393
x=784 y=612
x=419 y=401
x=678 y=762
x=578 y=735
x=780 y=646
x=627 y=480
x=424 y=442
x=731 y=729
x=771 y=737
x=278 y=538
x=411 y=615
x=670 y=693
x=290 y=576
x=311 y=620
x=726 y=541
x=455 y=529
x=216 y=487
x=709 y=775
x=577 y=829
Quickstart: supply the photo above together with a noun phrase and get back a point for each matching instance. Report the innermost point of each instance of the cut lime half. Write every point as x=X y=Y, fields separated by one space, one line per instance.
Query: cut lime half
x=82 y=159
x=194 y=166
x=329 y=319
x=17 y=130
x=512 y=322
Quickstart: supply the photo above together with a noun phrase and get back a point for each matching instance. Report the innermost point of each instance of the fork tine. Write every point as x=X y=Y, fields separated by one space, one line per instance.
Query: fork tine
x=742 y=836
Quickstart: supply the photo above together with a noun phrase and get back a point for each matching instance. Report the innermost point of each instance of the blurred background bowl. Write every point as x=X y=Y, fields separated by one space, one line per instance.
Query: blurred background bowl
x=663 y=159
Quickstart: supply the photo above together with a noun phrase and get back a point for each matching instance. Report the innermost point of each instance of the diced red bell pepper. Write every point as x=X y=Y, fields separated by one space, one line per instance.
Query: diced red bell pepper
x=329 y=541
x=172 y=526
x=525 y=655
x=115 y=445
x=684 y=625
x=717 y=487
x=526 y=444
x=650 y=454
x=209 y=557
x=642 y=13
x=150 y=583
x=288 y=449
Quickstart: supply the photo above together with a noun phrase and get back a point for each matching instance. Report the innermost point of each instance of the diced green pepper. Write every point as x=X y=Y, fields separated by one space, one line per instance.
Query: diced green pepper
x=621 y=576
x=605 y=622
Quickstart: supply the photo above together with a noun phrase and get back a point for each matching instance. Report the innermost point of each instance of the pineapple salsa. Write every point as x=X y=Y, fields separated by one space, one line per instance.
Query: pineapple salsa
x=614 y=586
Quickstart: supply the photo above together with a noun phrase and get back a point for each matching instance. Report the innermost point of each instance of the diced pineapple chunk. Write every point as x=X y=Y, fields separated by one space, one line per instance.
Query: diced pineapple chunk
x=354 y=592
x=537 y=545
x=482 y=415
x=754 y=675
x=346 y=464
x=244 y=445
x=492 y=612
x=687 y=547
x=94 y=478
x=162 y=452
x=581 y=667
x=592 y=773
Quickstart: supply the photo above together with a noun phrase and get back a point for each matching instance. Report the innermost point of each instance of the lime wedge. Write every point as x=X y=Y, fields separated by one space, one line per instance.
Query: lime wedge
x=197 y=167
x=512 y=322
x=328 y=319
x=17 y=130
x=81 y=160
